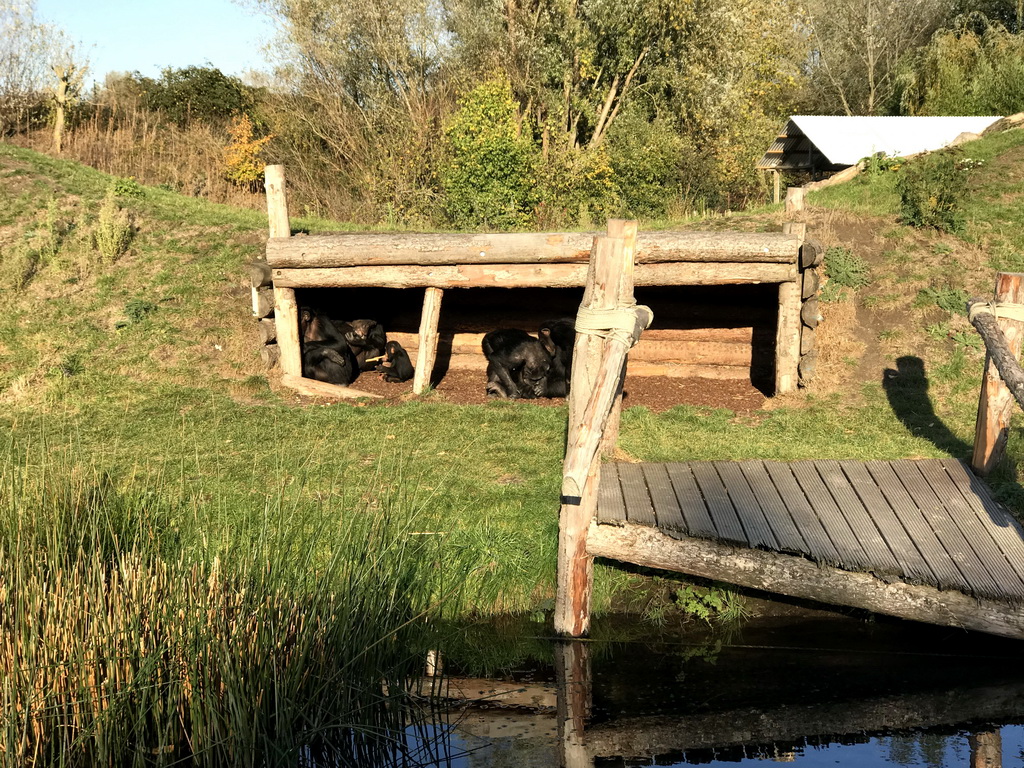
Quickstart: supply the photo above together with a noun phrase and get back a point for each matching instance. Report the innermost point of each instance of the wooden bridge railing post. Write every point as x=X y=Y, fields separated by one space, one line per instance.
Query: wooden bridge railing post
x=286 y=309
x=597 y=370
x=995 y=405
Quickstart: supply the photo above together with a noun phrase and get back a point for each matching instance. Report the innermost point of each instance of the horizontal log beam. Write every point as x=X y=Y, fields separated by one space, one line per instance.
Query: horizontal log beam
x=314 y=388
x=348 y=249
x=526 y=275
x=688 y=352
x=802 y=578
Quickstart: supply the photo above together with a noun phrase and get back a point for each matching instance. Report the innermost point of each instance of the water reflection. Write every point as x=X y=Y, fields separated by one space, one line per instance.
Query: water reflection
x=814 y=693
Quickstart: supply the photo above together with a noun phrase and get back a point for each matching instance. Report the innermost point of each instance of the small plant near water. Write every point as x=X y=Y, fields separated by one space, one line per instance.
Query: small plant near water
x=114 y=231
x=844 y=270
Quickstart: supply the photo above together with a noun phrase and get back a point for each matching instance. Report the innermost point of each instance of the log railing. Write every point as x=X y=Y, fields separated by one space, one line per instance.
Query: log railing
x=1001 y=326
x=608 y=325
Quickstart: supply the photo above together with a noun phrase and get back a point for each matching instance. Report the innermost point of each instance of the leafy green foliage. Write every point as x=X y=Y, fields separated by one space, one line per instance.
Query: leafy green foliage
x=947 y=298
x=966 y=71
x=489 y=179
x=932 y=190
x=114 y=231
x=652 y=162
x=844 y=270
x=198 y=94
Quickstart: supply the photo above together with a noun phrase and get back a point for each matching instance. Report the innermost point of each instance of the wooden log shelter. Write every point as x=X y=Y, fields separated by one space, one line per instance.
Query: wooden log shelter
x=917 y=539
x=724 y=339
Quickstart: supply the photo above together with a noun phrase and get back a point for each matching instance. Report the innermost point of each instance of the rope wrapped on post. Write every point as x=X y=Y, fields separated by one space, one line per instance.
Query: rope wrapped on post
x=983 y=316
x=621 y=327
x=623 y=324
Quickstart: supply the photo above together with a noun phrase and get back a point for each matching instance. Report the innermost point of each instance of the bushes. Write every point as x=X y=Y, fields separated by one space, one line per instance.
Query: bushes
x=932 y=190
x=489 y=179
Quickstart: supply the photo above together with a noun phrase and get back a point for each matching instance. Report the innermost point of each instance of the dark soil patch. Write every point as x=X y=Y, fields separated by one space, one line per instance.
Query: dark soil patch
x=657 y=393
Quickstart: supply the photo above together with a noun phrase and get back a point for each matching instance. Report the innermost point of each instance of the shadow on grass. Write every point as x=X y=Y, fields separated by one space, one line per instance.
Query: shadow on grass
x=906 y=387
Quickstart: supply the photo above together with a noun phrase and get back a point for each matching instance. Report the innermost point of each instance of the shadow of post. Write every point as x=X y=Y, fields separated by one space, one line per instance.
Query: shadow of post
x=906 y=388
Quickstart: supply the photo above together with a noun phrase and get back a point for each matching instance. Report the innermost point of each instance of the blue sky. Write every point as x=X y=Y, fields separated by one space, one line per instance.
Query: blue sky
x=149 y=35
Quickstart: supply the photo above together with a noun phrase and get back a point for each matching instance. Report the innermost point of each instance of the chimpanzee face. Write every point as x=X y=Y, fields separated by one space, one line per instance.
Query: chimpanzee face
x=534 y=373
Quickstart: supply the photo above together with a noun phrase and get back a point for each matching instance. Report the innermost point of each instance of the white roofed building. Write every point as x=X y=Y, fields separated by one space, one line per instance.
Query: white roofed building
x=819 y=143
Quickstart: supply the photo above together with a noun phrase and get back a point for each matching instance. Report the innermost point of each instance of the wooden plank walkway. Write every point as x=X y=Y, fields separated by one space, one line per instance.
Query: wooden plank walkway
x=924 y=522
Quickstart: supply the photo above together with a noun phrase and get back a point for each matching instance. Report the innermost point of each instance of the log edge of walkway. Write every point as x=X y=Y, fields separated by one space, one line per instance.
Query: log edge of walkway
x=797 y=576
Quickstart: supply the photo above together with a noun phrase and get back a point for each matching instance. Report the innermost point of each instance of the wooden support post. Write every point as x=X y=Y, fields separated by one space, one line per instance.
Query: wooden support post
x=607 y=274
x=572 y=677
x=794 y=199
x=995 y=405
x=426 y=353
x=286 y=310
x=777 y=178
x=627 y=230
x=986 y=749
x=286 y=318
x=787 y=337
x=277 y=201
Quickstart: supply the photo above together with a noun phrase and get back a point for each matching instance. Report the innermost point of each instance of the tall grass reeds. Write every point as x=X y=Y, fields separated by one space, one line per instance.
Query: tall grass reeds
x=137 y=631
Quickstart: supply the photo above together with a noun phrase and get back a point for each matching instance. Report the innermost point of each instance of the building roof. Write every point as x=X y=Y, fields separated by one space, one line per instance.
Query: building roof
x=831 y=143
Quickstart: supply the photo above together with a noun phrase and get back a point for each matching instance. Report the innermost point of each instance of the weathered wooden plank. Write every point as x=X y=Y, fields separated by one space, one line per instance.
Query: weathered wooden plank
x=727 y=522
x=799 y=577
x=912 y=564
x=345 y=249
x=639 y=509
x=947 y=574
x=879 y=556
x=774 y=509
x=977 y=534
x=666 y=506
x=1004 y=527
x=851 y=553
x=949 y=535
x=819 y=545
x=611 y=507
x=691 y=502
x=746 y=504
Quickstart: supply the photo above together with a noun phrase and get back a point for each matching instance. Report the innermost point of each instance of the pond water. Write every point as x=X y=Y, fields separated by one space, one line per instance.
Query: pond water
x=836 y=692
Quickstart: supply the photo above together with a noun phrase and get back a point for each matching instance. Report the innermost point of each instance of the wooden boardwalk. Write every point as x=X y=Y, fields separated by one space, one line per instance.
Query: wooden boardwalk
x=928 y=523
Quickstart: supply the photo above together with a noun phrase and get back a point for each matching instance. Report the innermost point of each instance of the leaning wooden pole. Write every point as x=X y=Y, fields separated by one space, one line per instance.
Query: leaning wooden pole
x=426 y=352
x=1003 y=378
x=609 y=280
x=286 y=310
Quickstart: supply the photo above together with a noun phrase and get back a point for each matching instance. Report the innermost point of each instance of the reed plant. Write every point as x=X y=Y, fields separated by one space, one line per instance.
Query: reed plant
x=137 y=628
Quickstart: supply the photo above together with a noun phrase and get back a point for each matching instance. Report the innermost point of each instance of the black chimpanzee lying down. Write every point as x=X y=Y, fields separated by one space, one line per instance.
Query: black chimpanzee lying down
x=522 y=366
x=326 y=354
x=558 y=338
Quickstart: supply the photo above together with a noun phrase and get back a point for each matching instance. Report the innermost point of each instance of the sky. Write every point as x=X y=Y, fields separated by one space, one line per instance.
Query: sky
x=150 y=35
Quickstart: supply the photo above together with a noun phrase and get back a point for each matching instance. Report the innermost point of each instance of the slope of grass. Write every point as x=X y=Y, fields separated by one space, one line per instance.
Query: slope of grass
x=148 y=368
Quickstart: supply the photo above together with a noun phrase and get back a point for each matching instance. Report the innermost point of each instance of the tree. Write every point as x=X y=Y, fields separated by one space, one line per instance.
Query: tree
x=858 y=46
x=69 y=79
x=28 y=48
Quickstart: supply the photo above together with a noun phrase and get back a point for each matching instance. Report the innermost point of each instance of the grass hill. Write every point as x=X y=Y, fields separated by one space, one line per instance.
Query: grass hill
x=143 y=369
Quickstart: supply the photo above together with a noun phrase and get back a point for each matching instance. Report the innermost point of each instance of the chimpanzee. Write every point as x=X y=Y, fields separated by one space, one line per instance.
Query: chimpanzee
x=517 y=364
x=558 y=338
x=326 y=355
x=398 y=366
x=367 y=340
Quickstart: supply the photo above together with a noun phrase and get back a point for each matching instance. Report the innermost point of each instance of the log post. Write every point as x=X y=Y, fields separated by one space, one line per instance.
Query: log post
x=787 y=337
x=794 y=199
x=995 y=404
x=777 y=178
x=426 y=353
x=627 y=230
x=986 y=749
x=286 y=310
x=609 y=282
x=572 y=678
x=286 y=318
x=277 y=201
